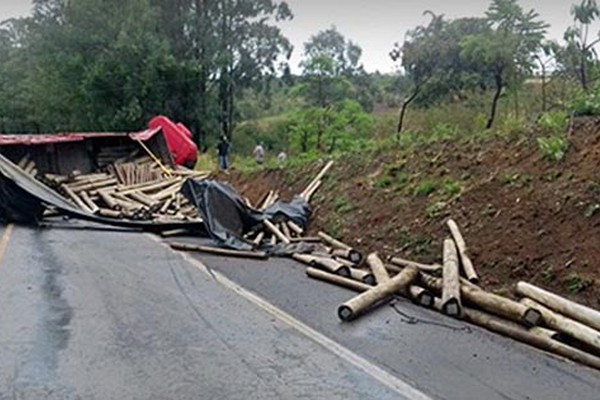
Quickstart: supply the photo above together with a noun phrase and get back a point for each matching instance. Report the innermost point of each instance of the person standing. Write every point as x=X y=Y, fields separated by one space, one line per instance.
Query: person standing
x=259 y=153
x=223 y=149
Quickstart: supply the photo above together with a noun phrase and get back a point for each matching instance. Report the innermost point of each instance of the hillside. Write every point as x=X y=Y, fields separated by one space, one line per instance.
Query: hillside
x=523 y=216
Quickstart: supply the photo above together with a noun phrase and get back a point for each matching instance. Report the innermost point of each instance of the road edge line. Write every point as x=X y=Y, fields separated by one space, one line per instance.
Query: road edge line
x=4 y=241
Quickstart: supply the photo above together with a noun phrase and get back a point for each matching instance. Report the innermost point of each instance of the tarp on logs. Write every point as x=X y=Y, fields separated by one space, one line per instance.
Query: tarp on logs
x=227 y=217
x=23 y=199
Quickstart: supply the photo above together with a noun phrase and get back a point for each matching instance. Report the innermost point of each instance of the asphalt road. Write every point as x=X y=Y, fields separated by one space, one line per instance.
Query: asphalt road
x=109 y=314
x=113 y=315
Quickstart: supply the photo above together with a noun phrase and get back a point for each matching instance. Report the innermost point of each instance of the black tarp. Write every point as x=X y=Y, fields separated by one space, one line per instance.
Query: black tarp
x=23 y=198
x=227 y=217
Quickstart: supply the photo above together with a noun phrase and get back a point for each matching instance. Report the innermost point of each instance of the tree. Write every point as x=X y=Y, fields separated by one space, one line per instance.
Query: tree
x=431 y=59
x=330 y=65
x=506 y=52
x=578 y=57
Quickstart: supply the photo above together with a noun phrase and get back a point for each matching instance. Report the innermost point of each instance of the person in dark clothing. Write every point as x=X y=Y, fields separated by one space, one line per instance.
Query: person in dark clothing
x=223 y=149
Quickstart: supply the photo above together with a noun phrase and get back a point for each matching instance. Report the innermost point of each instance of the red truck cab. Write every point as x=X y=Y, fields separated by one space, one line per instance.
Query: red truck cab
x=179 y=140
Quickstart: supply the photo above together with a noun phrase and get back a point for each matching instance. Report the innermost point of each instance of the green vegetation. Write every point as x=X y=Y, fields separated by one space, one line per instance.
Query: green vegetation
x=426 y=188
x=343 y=205
x=548 y=275
x=576 y=284
x=553 y=148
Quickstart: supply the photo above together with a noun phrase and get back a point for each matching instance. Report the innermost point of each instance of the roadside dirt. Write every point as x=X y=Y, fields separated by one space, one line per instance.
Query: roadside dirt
x=523 y=217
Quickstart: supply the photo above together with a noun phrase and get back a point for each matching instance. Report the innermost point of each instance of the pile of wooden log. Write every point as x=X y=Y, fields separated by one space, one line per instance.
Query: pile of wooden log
x=284 y=230
x=541 y=319
x=129 y=188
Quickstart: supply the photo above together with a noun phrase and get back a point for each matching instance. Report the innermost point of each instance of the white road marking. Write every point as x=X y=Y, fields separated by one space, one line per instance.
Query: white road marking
x=4 y=241
x=393 y=382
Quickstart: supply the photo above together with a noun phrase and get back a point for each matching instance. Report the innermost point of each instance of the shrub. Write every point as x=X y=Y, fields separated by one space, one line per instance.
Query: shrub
x=555 y=122
x=426 y=188
x=554 y=147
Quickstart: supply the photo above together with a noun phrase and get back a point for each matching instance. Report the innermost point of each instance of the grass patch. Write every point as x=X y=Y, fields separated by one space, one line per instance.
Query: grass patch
x=554 y=148
x=343 y=205
x=576 y=284
x=426 y=188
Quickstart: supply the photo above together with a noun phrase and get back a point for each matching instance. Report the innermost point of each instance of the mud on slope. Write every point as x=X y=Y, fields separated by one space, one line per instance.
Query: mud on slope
x=523 y=217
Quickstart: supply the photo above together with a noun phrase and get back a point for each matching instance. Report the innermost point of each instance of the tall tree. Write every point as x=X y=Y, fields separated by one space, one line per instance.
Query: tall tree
x=506 y=52
x=578 y=57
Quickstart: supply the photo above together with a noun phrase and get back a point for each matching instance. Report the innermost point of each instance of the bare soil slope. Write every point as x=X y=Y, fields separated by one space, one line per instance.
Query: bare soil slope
x=523 y=216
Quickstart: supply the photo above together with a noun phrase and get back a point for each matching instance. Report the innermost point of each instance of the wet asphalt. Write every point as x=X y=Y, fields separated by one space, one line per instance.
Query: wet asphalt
x=110 y=314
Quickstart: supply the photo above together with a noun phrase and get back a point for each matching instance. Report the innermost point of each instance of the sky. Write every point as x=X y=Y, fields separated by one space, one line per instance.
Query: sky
x=375 y=25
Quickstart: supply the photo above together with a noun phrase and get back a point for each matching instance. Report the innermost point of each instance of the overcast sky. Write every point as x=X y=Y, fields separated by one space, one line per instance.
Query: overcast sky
x=374 y=24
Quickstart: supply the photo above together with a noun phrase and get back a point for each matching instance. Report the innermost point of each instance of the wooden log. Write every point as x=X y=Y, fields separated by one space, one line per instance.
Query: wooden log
x=317 y=178
x=337 y=279
x=532 y=338
x=273 y=240
x=285 y=230
x=549 y=333
x=324 y=263
x=260 y=255
x=145 y=200
x=169 y=191
x=451 y=303
x=312 y=191
x=378 y=269
x=465 y=261
x=147 y=186
x=75 y=198
x=23 y=161
x=259 y=238
x=108 y=199
x=89 y=203
x=566 y=325
x=359 y=304
x=295 y=228
x=29 y=166
x=362 y=275
x=423 y=267
x=105 y=212
x=568 y=308
x=336 y=244
x=266 y=201
x=349 y=254
x=421 y=296
x=94 y=185
x=275 y=231
x=174 y=232
x=166 y=204
x=490 y=302
x=306 y=239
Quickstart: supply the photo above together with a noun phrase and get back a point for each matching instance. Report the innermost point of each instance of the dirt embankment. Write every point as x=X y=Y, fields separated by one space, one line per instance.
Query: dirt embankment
x=523 y=216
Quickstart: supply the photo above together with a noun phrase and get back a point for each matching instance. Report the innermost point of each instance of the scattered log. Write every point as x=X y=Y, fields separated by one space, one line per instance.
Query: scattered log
x=534 y=338
x=285 y=230
x=490 y=302
x=466 y=262
x=105 y=212
x=317 y=178
x=275 y=231
x=324 y=263
x=379 y=271
x=259 y=238
x=359 y=304
x=362 y=275
x=75 y=198
x=174 y=232
x=349 y=254
x=306 y=239
x=295 y=228
x=89 y=203
x=220 y=252
x=337 y=280
x=575 y=329
x=421 y=296
x=451 y=303
x=423 y=267
x=312 y=191
x=561 y=305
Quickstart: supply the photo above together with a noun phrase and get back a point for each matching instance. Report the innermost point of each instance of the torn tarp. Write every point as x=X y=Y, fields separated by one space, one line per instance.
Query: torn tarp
x=23 y=198
x=227 y=217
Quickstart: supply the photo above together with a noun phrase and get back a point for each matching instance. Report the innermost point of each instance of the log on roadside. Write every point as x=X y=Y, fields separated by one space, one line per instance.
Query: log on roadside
x=461 y=245
x=378 y=268
x=359 y=304
x=324 y=263
x=489 y=302
x=337 y=280
x=423 y=267
x=568 y=308
x=534 y=338
x=276 y=232
x=421 y=296
x=451 y=303
x=219 y=251
x=560 y=323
